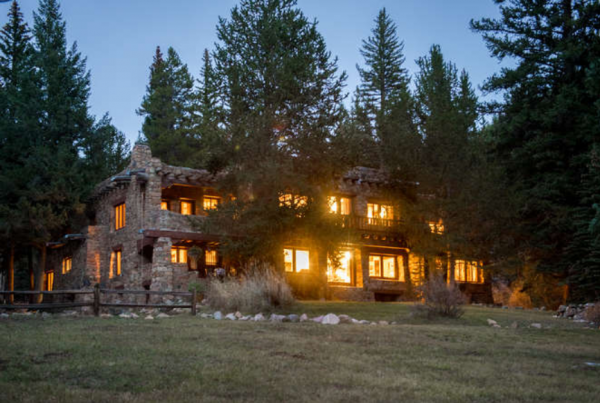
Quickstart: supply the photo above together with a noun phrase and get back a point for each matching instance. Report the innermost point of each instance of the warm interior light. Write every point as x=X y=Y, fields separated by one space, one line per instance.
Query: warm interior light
x=164 y=205
x=340 y=274
x=210 y=202
x=375 y=266
x=302 y=261
x=389 y=266
x=288 y=260
x=333 y=207
x=210 y=258
x=187 y=207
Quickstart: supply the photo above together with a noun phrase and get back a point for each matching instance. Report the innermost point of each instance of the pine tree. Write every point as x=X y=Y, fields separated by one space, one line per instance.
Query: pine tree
x=168 y=109
x=548 y=120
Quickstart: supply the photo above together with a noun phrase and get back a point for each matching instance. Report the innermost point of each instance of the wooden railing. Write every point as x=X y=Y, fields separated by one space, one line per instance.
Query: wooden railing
x=370 y=223
x=96 y=301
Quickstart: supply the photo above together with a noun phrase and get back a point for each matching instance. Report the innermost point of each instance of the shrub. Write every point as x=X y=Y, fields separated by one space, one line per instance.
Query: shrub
x=260 y=289
x=439 y=299
x=592 y=314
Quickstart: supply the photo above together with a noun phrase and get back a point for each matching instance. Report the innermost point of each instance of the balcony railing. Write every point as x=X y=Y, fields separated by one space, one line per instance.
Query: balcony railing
x=370 y=223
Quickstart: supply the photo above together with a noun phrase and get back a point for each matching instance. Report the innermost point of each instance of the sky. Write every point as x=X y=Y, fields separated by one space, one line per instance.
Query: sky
x=119 y=38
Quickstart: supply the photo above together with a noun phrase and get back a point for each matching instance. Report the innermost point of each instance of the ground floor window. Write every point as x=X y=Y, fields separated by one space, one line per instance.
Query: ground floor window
x=387 y=267
x=49 y=281
x=343 y=272
x=115 y=263
x=210 y=258
x=179 y=254
x=468 y=272
x=67 y=264
x=296 y=260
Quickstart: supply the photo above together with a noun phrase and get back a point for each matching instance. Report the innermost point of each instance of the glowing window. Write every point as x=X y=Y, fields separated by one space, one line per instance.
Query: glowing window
x=468 y=271
x=436 y=227
x=294 y=201
x=66 y=264
x=187 y=207
x=119 y=216
x=210 y=257
x=386 y=267
x=179 y=254
x=377 y=212
x=115 y=264
x=296 y=260
x=49 y=281
x=164 y=205
x=339 y=205
x=210 y=202
x=342 y=273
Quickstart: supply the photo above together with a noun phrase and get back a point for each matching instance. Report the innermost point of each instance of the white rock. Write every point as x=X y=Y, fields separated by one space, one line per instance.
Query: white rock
x=4 y=316
x=364 y=322
x=239 y=315
x=230 y=316
x=536 y=325
x=149 y=317
x=303 y=317
x=105 y=315
x=330 y=319
x=318 y=319
x=125 y=316
x=246 y=318
x=218 y=315
x=293 y=318
x=345 y=319
x=355 y=321
x=134 y=316
x=259 y=317
x=492 y=322
x=162 y=316
x=384 y=322
x=277 y=318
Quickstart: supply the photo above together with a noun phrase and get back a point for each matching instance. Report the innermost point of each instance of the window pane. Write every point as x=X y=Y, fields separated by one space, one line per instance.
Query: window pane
x=302 y=261
x=345 y=206
x=389 y=267
x=211 y=257
x=375 y=266
x=371 y=210
x=332 y=201
x=186 y=207
x=210 y=203
x=340 y=274
x=182 y=255
x=288 y=260
x=164 y=205
x=386 y=212
x=118 y=263
x=173 y=255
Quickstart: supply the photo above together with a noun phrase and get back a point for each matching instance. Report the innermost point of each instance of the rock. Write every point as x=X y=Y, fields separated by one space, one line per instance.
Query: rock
x=519 y=307
x=393 y=323
x=4 y=316
x=293 y=318
x=231 y=316
x=46 y=315
x=239 y=315
x=504 y=307
x=543 y=308
x=345 y=319
x=277 y=318
x=373 y=324
x=134 y=316
x=69 y=313
x=330 y=319
x=562 y=308
x=206 y=315
x=218 y=315
x=149 y=317
x=497 y=326
x=303 y=317
x=162 y=316
x=259 y=317
x=536 y=325
x=569 y=312
x=364 y=322
x=384 y=322
x=514 y=325
x=355 y=321
x=491 y=322
x=125 y=316
x=318 y=319
x=246 y=318
x=106 y=315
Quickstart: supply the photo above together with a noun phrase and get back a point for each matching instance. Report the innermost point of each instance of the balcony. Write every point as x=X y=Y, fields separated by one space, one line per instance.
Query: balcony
x=371 y=224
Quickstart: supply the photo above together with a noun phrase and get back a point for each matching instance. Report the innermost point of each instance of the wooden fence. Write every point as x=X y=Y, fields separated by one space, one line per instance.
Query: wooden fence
x=96 y=301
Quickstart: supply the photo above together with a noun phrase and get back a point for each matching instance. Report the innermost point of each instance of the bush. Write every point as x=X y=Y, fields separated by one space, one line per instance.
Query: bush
x=260 y=289
x=592 y=314
x=439 y=299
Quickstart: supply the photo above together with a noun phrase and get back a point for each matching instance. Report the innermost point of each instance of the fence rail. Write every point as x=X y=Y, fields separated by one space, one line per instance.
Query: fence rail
x=96 y=303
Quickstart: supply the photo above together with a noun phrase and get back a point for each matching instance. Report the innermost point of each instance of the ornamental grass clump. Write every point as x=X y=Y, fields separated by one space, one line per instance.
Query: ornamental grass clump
x=440 y=299
x=259 y=290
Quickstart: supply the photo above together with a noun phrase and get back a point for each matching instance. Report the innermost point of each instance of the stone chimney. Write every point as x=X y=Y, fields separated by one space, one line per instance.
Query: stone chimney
x=140 y=155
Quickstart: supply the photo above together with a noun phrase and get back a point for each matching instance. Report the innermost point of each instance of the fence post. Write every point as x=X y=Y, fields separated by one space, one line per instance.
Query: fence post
x=194 y=299
x=97 y=300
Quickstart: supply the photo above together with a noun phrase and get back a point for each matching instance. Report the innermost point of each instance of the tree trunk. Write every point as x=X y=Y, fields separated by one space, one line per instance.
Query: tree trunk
x=11 y=273
x=39 y=272
x=30 y=266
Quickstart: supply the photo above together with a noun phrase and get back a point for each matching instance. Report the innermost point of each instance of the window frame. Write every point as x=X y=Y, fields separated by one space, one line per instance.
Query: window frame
x=116 y=263
x=120 y=216
x=167 y=203
x=192 y=206
x=397 y=267
x=337 y=201
x=216 y=258
x=351 y=269
x=468 y=266
x=206 y=198
x=179 y=249
x=294 y=260
x=66 y=264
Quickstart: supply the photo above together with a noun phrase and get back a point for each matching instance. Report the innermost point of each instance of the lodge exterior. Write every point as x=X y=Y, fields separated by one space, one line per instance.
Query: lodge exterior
x=140 y=235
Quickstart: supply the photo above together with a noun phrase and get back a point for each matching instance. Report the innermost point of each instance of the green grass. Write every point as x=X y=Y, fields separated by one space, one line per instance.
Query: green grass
x=191 y=359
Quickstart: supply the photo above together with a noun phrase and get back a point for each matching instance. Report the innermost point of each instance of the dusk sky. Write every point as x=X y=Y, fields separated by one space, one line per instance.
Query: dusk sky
x=119 y=37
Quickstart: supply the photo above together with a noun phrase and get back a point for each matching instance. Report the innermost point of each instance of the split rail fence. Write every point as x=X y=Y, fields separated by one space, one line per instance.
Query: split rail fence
x=96 y=301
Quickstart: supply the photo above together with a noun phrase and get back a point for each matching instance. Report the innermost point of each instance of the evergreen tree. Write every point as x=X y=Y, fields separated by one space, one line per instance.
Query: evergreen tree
x=168 y=109
x=548 y=120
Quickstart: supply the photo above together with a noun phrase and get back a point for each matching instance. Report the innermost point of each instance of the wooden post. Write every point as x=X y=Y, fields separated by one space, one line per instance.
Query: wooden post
x=97 y=299
x=11 y=274
x=194 y=299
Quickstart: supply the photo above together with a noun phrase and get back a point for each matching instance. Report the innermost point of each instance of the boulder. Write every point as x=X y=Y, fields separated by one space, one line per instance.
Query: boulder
x=205 y=315
x=492 y=322
x=364 y=322
x=218 y=315
x=318 y=319
x=106 y=315
x=562 y=308
x=303 y=317
x=162 y=316
x=134 y=316
x=384 y=322
x=536 y=325
x=277 y=318
x=293 y=318
x=231 y=316
x=345 y=319
x=46 y=315
x=239 y=315
x=4 y=316
x=330 y=319
x=259 y=317
x=149 y=317
x=125 y=316
x=246 y=318
x=355 y=321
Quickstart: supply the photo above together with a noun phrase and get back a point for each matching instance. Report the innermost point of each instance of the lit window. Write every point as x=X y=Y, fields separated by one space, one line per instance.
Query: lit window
x=119 y=216
x=376 y=213
x=210 y=257
x=179 y=254
x=468 y=271
x=386 y=267
x=296 y=260
x=164 y=205
x=436 y=227
x=115 y=264
x=294 y=201
x=341 y=273
x=339 y=205
x=66 y=265
x=210 y=202
x=187 y=207
x=49 y=281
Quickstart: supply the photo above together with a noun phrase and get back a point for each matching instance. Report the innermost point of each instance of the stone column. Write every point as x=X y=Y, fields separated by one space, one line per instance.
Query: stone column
x=162 y=268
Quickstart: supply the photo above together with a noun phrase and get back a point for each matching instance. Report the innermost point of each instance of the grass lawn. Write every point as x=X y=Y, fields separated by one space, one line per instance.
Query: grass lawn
x=191 y=359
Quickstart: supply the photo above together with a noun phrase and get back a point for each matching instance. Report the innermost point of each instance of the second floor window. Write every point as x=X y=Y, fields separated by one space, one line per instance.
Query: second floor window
x=210 y=202
x=383 y=211
x=339 y=205
x=119 y=216
x=67 y=264
x=187 y=207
